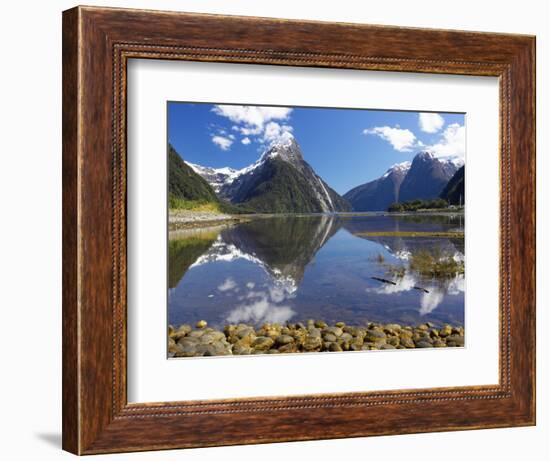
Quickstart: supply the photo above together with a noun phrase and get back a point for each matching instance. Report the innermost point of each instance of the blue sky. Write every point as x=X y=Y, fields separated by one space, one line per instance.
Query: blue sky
x=346 y=147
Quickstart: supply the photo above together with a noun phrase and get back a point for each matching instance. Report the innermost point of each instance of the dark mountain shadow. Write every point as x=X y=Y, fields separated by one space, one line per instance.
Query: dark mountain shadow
x=286 y=245
x=282 y=246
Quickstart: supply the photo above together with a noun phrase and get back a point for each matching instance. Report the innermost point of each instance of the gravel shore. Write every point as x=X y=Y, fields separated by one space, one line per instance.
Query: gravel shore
x=184 y=219
x=314 y=336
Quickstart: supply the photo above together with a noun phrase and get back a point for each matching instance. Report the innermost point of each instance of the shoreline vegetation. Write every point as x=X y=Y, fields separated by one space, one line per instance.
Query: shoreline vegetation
x=437 y=234
x=425 y=263
x=313 y=336
x=421 y=206
x=208 y=215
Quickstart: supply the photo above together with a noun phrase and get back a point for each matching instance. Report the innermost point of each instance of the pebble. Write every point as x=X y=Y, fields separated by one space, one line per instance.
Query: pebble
x=313 y=336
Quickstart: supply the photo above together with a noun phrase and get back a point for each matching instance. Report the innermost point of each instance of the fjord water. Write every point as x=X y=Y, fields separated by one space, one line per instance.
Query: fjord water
x=295 y=268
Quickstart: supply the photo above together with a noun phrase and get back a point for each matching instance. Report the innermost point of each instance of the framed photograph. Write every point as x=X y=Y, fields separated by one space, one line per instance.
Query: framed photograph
x=284 y=230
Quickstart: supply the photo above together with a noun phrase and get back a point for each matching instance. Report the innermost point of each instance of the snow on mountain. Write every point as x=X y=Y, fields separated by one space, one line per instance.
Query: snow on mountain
x=261 y=182
x=397 y=167
x=220 y=177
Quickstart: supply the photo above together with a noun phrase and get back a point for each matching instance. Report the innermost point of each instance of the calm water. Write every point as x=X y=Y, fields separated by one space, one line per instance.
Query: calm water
x=280 y=269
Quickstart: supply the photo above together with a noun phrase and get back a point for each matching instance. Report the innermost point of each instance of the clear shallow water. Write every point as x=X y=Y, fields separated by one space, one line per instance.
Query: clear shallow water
x=279 y=269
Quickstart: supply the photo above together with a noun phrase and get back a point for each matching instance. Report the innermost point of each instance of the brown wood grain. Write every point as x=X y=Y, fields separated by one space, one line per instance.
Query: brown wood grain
x=97 y=43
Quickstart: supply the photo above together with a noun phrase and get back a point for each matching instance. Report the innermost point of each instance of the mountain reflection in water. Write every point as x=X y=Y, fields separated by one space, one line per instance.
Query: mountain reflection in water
x=292 y=268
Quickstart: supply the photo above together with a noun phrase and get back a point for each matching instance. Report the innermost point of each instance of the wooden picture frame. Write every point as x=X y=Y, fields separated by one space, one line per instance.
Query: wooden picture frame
x=97 y=43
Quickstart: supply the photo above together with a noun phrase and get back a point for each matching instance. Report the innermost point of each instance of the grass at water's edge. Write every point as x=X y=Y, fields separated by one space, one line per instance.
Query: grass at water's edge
x=177 y=204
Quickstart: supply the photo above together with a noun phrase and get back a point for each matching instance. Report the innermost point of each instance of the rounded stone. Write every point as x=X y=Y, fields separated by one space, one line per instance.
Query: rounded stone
x=346 y=337
x=459 y=340
x=336 y=331
x=314 y=332
x=196 y=334
x=320 y=324
x=287 y=348
x=188 y=340
x=423 y=344
x=212 y=337
x=312 y=343
x=284 y=339
x=392 y=327
x=329 y=337
x=375 y=336
x=406 y=342
x=241 y=350
x=174 y=348
x=262 y=343
x=201 y=324
x=244 y=330
x=393 y=340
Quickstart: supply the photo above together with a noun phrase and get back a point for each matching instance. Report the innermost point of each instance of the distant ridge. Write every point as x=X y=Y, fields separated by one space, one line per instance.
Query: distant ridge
x=423 y=178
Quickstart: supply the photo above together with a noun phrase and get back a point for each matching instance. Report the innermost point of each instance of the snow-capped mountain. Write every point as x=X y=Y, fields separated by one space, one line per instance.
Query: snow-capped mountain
x=382 y=192
x=423 y=178
x=279 y=181
x=427 y=177
x=216 y=177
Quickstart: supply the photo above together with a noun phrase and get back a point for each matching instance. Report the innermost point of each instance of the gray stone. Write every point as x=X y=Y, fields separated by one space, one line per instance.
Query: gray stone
x=262 y=343
x=284 y=339
x=329 y=337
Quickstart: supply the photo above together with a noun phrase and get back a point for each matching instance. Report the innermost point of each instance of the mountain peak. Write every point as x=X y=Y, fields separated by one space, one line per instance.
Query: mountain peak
x=456 y=160
x=286 y=149
x=398 y=168
x=424 y=155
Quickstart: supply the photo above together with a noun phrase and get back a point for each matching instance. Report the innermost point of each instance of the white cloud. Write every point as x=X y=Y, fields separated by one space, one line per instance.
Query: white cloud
x=430 y=301
x=261 y=311
x=227 y=285
x=252 y=116
x=452 y=142
x=262 y=122
x=430 y=122
x=249 y=131
x=262 y=307
x=222 y=142
x=401 y=139
x=277 y=133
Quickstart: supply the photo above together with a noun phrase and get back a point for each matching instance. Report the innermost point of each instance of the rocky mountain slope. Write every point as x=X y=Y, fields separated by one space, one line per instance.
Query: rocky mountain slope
x=381 y=193
x=281 y=181
x=453 y=192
